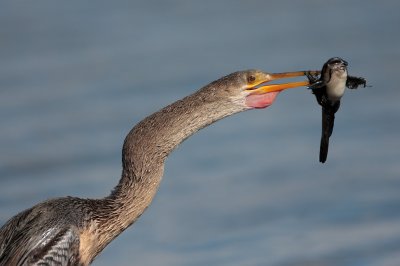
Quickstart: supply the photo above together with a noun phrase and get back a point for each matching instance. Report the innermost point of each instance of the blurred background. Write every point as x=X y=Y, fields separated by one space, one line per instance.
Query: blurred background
x=249 y=190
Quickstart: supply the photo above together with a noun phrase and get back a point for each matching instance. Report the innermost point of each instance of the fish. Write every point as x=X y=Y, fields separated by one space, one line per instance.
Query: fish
x=328 y=89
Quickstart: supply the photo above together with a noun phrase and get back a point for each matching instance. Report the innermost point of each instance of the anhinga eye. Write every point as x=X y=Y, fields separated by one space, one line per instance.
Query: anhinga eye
x=251 y=78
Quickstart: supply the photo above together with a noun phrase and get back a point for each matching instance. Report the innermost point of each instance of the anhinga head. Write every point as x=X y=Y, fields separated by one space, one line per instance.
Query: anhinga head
x=253 y=88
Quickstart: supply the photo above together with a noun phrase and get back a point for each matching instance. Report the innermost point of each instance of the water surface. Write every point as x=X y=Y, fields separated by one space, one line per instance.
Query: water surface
x=249 y=190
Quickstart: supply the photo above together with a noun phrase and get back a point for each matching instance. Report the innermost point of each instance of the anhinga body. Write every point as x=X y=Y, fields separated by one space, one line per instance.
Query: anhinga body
x=328 y=90
x=72 y=231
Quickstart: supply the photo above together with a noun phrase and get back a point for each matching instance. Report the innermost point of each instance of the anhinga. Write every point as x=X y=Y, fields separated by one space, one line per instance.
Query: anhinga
x=73 y=231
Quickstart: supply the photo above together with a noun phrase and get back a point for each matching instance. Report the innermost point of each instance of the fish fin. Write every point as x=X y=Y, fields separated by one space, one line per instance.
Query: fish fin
x=355 y=82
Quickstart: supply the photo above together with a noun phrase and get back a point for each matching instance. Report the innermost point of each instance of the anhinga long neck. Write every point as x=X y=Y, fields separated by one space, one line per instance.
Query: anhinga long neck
x=146 y=148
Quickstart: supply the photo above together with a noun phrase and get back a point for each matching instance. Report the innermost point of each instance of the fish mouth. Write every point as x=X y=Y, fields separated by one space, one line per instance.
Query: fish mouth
x=337 y=63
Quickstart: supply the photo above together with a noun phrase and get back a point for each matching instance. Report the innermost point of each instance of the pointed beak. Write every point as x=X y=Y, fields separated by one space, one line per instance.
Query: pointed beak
x=261 y=87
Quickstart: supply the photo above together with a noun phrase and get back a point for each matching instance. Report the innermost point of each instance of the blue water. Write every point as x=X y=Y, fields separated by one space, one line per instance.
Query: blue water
x=76 y=76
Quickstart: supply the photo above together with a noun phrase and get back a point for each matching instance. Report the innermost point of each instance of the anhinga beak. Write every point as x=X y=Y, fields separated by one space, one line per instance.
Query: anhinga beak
x=259 y=87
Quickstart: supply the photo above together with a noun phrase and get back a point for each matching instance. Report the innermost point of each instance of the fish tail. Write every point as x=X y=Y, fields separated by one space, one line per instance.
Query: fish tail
x=328 y=121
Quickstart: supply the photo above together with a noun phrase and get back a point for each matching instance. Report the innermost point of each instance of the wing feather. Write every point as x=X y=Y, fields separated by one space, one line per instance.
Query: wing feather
x=29 y=239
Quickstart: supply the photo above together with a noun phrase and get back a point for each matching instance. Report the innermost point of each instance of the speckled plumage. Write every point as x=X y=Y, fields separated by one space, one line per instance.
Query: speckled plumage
x=72 y=231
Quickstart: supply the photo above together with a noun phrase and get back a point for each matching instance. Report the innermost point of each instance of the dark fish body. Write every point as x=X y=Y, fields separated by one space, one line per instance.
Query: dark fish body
x=328 y=89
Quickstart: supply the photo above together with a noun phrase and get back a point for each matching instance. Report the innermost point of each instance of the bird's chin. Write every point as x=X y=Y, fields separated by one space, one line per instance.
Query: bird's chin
x=261 y=100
